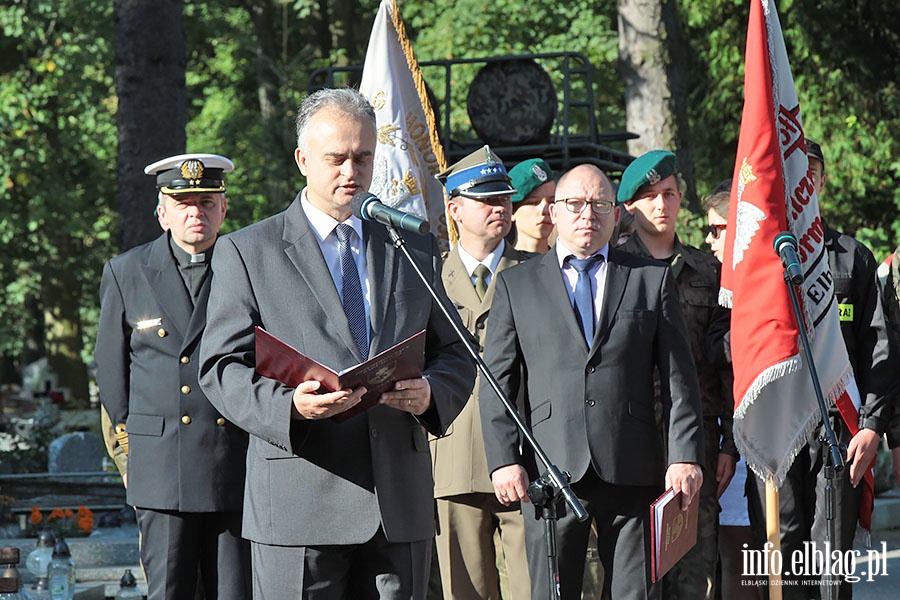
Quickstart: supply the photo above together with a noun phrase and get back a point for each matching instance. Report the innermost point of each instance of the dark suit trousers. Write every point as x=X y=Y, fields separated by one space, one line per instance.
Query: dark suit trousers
x=175 y=545
x=377 y=569
x=623 y=523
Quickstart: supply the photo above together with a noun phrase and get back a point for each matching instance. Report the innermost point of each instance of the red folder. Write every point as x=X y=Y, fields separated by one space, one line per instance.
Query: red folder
x=672 y=531
x=277 y=360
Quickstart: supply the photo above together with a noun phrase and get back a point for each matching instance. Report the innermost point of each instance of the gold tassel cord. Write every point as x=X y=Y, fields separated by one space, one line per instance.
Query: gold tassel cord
x=419 y=82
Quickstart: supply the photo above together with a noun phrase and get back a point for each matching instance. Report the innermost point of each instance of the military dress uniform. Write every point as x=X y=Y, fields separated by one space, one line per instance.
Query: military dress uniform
x=461 y=479
x=469 y=513
x=184 y=462
x=697 y=280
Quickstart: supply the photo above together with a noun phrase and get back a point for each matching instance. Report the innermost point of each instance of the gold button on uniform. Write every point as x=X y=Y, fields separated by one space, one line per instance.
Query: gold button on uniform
x=185 y=360
x=162 y=332
x=185 y=389
x=220 y=421
x=186 y=420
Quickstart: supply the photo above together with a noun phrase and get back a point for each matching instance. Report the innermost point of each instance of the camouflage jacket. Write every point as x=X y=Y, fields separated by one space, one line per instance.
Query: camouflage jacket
x=697 y=279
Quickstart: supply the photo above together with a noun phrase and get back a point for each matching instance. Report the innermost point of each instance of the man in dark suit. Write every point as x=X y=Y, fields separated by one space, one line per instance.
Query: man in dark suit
x=333 y=510
x=469 y=514
x=182 y=462
x=589 y=333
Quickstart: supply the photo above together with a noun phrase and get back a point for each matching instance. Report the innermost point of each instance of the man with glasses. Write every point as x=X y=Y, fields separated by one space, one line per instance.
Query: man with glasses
x=581 y=331
x=651 y=192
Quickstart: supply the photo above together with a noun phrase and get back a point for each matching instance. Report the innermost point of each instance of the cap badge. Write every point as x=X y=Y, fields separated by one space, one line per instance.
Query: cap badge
x=193 y=170
x=539 y=173
x=488 y=157
x=652 y=176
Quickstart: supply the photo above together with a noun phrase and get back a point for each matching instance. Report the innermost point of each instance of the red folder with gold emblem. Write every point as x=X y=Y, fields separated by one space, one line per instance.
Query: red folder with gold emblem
x=672 y=531
x=277 y=360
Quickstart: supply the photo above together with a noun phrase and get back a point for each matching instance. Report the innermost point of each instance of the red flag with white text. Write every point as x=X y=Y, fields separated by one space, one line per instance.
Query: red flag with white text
x=776 y=410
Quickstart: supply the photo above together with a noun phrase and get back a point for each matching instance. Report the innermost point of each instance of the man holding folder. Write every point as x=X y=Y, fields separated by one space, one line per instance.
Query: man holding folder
x=588 y=325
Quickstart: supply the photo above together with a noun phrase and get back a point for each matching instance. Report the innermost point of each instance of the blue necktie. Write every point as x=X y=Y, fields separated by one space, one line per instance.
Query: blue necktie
x=584 y=295
x=351 y=290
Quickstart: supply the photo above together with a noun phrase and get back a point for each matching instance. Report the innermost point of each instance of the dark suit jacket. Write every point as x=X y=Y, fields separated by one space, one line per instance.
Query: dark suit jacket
x=315 y=482
x=183 y=455
x=593 y=406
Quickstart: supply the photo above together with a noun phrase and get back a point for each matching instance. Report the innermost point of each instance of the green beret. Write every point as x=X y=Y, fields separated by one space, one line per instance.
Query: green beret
x=646 y=169
x=529 y=175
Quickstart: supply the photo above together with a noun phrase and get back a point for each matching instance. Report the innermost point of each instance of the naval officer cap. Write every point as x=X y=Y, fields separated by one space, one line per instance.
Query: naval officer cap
x=528 y=176
x=478 y=175
x=190 y=173
x=646 y=169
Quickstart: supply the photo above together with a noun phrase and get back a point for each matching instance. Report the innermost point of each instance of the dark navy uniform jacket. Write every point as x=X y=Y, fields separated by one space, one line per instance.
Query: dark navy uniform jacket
x=182 y=453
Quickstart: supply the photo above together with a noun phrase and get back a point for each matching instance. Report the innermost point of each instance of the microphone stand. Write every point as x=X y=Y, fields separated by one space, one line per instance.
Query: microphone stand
x=545 y=491
x=834 y=458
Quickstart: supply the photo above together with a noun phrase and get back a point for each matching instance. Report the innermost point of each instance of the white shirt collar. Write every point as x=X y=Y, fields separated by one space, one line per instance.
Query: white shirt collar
x=562 y=252
x=323 y=223
x=490 y=261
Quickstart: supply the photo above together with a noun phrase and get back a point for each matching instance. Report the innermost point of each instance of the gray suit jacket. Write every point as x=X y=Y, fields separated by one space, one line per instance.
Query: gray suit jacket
x=593 y=406
x=183 y=454
x=315 y=482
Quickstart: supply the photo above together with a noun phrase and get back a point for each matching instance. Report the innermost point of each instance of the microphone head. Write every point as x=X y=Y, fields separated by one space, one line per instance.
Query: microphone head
x=358 y=204
x=785 y=237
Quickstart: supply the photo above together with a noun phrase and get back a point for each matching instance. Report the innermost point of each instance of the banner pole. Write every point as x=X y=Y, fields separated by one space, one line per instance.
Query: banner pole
x=773 y=536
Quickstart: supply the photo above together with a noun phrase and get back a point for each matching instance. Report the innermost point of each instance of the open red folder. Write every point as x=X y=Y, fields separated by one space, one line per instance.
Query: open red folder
x=672 y=531
x=277 y=360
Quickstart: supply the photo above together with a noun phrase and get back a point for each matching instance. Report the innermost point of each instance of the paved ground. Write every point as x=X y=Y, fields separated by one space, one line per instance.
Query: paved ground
x=880 y=587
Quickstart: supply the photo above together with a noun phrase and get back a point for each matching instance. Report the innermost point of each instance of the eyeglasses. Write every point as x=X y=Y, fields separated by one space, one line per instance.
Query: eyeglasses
x=715 y=230
x=576 y=205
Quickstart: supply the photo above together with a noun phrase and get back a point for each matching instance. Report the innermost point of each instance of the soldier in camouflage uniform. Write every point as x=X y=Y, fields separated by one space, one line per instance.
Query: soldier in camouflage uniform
x=650 y=190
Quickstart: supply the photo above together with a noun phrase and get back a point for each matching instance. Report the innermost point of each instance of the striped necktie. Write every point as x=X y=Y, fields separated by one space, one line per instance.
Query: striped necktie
x=351 y=290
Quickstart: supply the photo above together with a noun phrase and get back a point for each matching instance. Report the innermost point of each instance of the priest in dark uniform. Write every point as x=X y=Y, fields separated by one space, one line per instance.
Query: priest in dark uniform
x=182 y=462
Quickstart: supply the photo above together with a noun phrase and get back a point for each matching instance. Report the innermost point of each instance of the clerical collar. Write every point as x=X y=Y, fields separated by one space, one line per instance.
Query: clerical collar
x=186 y=259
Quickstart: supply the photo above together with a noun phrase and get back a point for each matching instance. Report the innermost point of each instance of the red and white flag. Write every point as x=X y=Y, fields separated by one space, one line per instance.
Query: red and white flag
x=408 y=153
x=776 y=410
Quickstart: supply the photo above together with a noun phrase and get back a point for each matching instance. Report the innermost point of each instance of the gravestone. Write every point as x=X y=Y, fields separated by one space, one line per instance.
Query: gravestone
x=76 y=452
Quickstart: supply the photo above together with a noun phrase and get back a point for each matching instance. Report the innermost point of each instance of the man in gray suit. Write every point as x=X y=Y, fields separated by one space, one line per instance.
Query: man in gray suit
x=468 y=512
x=333 y=510
x=589 y=324
x=182 y=462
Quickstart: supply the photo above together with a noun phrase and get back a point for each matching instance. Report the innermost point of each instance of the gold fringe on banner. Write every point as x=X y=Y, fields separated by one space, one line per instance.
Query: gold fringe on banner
x=419 y=81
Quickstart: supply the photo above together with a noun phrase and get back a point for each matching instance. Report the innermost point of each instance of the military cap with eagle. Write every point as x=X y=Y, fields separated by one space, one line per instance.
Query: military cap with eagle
x=646 y=169
x=190 y=173
x=479 y=175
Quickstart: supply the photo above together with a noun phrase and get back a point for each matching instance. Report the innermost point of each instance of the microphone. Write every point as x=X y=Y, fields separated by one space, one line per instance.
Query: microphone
x=368 y=207
x=786 y=247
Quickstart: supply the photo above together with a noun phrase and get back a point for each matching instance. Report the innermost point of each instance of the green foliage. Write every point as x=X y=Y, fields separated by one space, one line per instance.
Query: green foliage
x=57 y=137
x=58 y=104
x=843 y=57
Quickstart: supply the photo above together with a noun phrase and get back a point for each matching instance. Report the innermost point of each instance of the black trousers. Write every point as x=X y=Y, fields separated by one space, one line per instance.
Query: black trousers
x=175 y=546
x=622 y=514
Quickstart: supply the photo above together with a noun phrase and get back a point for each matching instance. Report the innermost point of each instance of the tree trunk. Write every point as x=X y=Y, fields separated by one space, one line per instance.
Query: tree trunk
x=651 y=62
x=275 y=117
x=152 y=111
